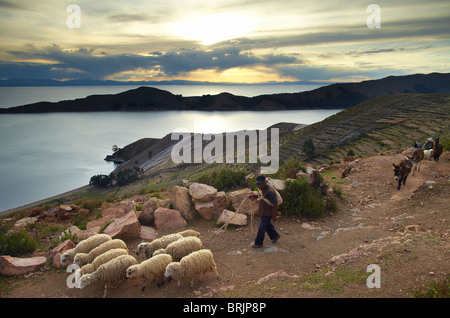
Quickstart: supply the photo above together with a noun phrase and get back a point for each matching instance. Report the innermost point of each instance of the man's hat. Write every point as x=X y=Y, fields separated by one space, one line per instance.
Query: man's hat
x=260 y=180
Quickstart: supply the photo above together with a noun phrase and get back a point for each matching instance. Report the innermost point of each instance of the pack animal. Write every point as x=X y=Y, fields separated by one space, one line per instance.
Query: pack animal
x=437 y=149
x=401 y=171
x=416 y=159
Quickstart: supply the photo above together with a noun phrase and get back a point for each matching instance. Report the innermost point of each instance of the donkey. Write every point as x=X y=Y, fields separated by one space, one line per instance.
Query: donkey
x=437 y=149
x=401 y=171
x=416 y=158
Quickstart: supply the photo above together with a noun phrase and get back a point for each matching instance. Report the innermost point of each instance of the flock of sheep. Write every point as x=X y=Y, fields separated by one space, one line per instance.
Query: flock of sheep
x=179 y=256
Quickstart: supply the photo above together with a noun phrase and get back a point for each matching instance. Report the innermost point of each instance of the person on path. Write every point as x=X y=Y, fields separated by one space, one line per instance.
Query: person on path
x=267 y=212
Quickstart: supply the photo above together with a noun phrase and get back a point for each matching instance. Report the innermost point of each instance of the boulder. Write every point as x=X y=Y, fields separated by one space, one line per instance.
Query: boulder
x=59 y=250
x=179 y=196
x=20 y=224
x=81 y=235
x=202 y=192
x=278 y=184
x=17 y=266
x=115 y=212
x=238 y=196
x=220 y=203
x=248 y=206
x=168 y=219
x=146 y=216
x=126 y=227
x=96 y=225
x=205 y=209
x=148 y=233
x=231 y=217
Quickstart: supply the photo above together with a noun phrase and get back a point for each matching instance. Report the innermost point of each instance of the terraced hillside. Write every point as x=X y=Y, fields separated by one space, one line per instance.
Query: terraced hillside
x=376 y=125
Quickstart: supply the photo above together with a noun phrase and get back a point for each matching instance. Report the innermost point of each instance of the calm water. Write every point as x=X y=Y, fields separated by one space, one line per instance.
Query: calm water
x=17 y=96
x=42 y=155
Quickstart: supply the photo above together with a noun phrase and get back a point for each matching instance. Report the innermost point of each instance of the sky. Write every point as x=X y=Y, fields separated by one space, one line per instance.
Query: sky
x=232 y=41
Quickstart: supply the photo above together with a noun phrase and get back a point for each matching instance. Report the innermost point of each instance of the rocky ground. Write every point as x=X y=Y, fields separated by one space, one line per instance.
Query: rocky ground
x=406 y=233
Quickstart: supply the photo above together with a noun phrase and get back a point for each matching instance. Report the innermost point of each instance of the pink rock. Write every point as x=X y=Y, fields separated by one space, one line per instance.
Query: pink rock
x=181 y=201
x=202 y=192
x=148 y=233
x=147 y=215
x=61 y=248
x=17 y=266
x=231 y=217
x=168 y=218
x=220 y=203
x=205 y=209
x=126 y=227
x=238 y=196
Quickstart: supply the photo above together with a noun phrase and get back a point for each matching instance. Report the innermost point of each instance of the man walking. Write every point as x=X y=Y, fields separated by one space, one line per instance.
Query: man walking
x=267 y=210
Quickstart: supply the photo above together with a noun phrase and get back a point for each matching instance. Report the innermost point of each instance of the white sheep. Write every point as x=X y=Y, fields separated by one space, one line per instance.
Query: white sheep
x=152 y=269
x=189 y=233
x=84 y=258
x=102 y=259
x=84 y=246
x=428 y=154
x=193 y=265
x=181 y=247
x=111 y=273
x=149 y=247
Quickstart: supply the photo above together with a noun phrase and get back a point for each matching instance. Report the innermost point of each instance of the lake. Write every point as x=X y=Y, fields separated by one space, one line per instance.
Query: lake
x=43 y=155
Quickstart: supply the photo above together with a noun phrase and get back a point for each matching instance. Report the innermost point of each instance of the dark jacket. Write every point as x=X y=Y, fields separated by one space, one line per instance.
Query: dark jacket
x=265 y=209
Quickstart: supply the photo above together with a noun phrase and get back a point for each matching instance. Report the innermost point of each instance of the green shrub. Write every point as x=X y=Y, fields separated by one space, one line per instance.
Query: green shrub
x=435 y=290
x=289 y=169
x=16 y=244
x=446 y=145
x=225 y=180
x=299 y=198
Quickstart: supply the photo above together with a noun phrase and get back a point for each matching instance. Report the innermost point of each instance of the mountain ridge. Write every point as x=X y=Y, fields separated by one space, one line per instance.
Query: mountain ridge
x=343 y=95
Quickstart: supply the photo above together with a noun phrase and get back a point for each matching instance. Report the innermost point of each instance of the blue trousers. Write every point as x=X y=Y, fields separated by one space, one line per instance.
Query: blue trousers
x=265 y=226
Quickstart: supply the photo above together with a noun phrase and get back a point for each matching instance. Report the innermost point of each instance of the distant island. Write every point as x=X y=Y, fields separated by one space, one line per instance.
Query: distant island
x=334 y=96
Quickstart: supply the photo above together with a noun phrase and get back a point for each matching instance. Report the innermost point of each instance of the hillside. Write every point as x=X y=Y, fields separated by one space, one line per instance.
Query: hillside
x=404 y=232
x=379 y=124
x=376 y=125
x=329 y=97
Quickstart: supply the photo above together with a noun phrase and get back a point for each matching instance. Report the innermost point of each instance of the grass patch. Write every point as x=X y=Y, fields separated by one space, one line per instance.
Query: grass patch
x=434 y=290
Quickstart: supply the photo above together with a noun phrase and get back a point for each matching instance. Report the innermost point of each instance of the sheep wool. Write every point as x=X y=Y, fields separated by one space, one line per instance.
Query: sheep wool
x=181 y=247
x=85 y=258
x=111 y=273
x=102 y=259
x=192 y=266
x=149 y=247
x=84 y=246
x=152 y=269
x=189 y=233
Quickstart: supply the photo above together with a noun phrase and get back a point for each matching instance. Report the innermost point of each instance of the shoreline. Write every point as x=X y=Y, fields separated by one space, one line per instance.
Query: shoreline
x=42 y=201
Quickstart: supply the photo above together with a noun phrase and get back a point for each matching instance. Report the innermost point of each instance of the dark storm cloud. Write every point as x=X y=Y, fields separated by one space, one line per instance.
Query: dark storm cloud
x=89 y=65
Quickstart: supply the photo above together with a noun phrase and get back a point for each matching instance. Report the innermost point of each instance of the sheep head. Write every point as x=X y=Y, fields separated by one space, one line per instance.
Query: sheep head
x=141 y=248
x=87 y=279
x=132 y=271
x=172 y=269
x=65 y=257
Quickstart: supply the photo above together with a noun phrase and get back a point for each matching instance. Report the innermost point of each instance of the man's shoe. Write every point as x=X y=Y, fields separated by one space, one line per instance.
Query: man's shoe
x=276 y=239
x=256 y=246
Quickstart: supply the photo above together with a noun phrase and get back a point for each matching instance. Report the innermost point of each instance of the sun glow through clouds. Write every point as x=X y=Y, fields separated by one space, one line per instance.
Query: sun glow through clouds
x=214 y=28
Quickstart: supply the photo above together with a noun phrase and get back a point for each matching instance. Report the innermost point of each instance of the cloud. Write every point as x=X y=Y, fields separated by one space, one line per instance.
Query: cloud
x=85 y=63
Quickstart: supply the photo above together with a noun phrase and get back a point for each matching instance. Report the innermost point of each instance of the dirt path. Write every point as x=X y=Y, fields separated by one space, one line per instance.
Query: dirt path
x=405 y=233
